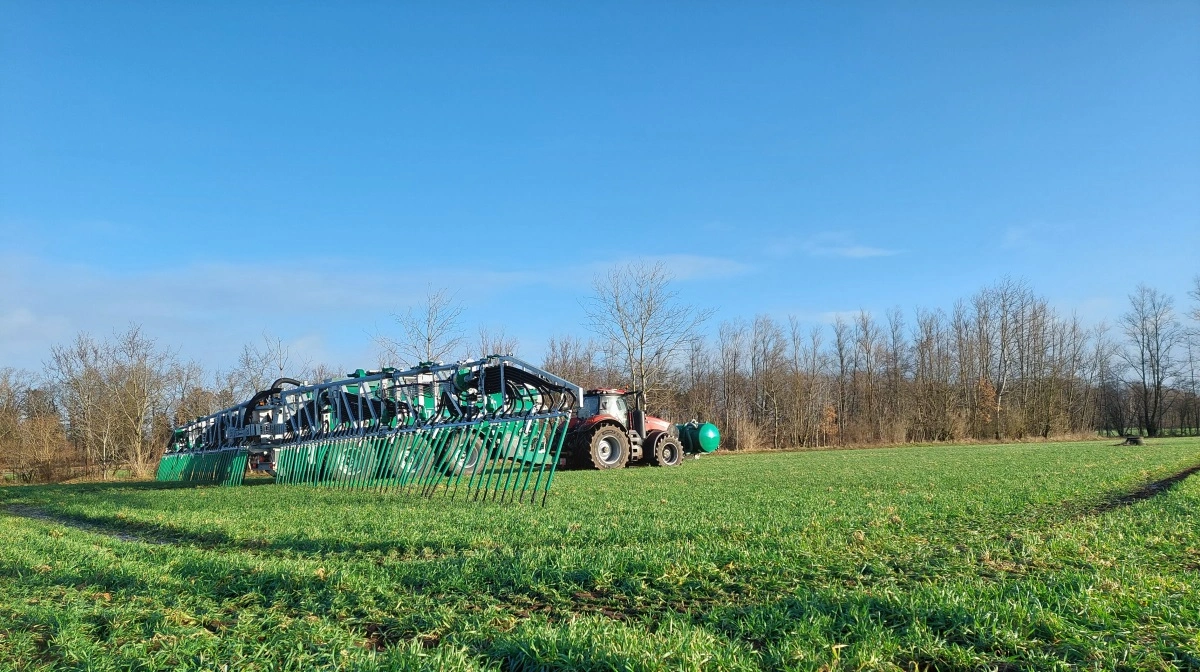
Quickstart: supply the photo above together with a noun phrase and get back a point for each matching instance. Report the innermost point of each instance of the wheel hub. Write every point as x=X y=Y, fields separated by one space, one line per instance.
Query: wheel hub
x=609 y=451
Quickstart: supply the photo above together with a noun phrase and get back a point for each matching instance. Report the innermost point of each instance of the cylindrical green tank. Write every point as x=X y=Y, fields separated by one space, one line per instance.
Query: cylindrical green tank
x=699 y=437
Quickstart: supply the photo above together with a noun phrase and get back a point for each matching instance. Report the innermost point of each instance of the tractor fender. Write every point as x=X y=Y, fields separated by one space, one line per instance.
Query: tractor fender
x=654 y=424
x=590 y=424
x=653 y=437
x=583 y=431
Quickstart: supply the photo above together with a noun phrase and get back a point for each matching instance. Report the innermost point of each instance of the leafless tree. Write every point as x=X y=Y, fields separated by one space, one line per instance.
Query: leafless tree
x=936 y=406
x=113 y=392
x=320 y=372
x=139 y=383
x=734 y=399
x=78 y=372
x=1191 y=419
x=635 y=312
x=12 y=387
x=496 y=341
x=867 y=341
x=257 y=366
x=1152 y=334
x=429 y=331
x=192 y=398
x=698 y=396
x=843 y=358
x=1112 y=394
x=768 y=361
x=575 y=360
x=1195 y=294
x=895 y=369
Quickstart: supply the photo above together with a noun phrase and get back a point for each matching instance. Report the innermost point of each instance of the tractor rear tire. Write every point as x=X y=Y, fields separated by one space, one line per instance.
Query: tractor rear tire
x=668 y=452
x=608 y=448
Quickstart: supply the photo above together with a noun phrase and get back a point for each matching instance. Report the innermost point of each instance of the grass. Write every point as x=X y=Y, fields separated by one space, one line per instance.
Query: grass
x=1031 y=556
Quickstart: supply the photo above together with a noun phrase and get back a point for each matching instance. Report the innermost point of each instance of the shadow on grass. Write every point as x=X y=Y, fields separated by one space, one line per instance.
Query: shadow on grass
x=42 y=502
x=39 y=503
x=114 y=487
x=123 y=529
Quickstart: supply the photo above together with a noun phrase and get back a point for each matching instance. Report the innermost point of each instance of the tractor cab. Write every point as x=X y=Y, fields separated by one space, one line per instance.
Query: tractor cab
x=606 y=402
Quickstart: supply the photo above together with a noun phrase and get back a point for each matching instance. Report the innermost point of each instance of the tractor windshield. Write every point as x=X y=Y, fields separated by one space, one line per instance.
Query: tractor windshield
x=590 y=407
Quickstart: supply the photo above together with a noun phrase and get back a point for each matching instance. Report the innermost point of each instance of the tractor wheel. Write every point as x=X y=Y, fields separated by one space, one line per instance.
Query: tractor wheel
x=668 y=452
x=608 y=448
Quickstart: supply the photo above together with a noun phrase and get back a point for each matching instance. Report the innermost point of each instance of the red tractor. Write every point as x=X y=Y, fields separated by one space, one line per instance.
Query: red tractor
x=606 y=433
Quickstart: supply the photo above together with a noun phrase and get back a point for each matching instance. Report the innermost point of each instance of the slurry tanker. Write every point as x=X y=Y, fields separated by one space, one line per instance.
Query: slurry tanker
x=494 y=428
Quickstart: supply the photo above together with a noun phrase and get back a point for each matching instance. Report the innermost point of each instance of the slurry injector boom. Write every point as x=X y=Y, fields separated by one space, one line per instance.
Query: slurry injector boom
x=492 y=428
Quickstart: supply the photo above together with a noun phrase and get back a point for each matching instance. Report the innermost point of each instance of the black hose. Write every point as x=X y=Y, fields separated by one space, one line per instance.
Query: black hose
x=259 y=396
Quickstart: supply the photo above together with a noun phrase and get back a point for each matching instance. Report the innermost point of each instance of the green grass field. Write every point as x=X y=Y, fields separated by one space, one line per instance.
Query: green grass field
x=1038 y=556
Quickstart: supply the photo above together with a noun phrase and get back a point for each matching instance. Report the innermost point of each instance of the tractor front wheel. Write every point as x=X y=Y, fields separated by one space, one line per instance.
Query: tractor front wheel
x=608 y=448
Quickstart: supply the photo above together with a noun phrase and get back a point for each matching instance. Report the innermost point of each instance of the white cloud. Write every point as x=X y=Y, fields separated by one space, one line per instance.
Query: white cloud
x=326 y=310
x=843 y=245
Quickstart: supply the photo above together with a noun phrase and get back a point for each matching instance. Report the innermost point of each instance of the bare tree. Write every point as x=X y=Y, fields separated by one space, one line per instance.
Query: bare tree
x=78 y=372
x=895 y=367
x=430 y=331
x=1195 y=294
x=192 y=398
x=698 y=395
x=768 y=352
x=12 y=389
x=496 y=341
x=1192 y=367
x=867 y=341
x=1152 y=334
x=320 y=372
x=575 y=360
x=842 y=356
x=257 y=366
x=1111 y=392
x=635 y=311
x=113 y=393
x=734 y=401
x=139 y=382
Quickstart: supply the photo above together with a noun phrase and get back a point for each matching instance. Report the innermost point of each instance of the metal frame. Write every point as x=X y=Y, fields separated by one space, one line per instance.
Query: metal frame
x=412 y=429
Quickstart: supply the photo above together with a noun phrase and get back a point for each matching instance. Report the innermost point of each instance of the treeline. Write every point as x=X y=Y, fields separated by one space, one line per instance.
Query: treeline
x=106 y=407
x=999 y=365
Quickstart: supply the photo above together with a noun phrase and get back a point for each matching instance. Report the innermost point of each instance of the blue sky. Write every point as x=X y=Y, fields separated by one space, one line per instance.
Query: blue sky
x=216 y=170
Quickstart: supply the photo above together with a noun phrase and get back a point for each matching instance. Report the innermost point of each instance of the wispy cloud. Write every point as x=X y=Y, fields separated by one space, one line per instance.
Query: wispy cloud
x=843 y=245
x=325 y=309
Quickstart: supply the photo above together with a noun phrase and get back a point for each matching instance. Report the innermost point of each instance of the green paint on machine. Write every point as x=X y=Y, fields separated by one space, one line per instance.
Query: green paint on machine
x=493 y=427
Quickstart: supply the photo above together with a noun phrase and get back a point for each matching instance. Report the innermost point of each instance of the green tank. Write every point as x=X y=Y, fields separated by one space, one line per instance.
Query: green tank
x=699 y=437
